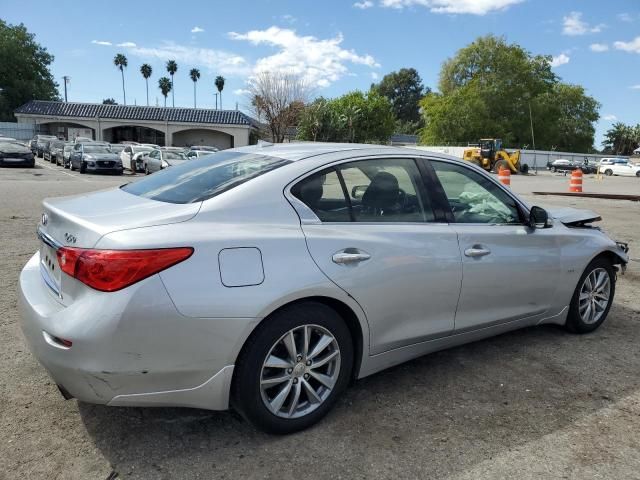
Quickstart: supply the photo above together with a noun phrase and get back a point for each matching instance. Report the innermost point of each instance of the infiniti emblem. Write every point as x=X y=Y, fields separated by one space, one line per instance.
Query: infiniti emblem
x=45 y=219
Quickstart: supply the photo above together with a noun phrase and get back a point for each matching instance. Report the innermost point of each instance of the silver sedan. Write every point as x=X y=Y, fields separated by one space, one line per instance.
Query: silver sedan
x=268 y=278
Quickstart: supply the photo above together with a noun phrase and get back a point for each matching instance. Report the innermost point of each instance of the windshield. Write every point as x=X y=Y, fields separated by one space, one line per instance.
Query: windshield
x=96 y=149
x=203 y=178
x=174 y=155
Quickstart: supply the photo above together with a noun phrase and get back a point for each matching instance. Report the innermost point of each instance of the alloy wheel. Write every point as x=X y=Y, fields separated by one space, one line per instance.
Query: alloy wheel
x=300 y=371
x=594 y=296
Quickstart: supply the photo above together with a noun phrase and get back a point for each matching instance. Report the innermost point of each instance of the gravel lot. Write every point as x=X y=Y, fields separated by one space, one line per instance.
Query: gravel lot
x=537 y=403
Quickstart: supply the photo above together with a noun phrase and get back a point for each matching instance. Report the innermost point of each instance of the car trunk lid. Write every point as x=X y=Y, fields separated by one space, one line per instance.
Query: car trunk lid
x=80 y=221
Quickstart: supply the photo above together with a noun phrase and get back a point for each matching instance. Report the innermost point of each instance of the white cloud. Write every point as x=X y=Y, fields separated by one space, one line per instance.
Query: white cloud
x=197 y=29
x=599 y=47
x=363 y=5
x=561 y=59
x=127 y=44
x=574 y=25
x=101 y=42
x=635 y=87
x=632 y=47
x=610 y=118
x=374 y=76
x=289 y=18
x=319 y=61
x=218 y=61
x=241 y=91
x=474 y=7
x=625 y=17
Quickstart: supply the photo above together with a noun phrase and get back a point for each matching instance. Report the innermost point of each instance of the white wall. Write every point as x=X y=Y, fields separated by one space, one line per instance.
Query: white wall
x=527 y=157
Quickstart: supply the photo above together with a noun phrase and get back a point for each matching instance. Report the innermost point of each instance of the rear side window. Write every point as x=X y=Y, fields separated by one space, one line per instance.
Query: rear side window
x=371 y=191
x=203 y=178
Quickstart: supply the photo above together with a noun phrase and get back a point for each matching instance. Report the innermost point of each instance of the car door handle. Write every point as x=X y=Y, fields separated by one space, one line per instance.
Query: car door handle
x=477 y=251
x=350 y=256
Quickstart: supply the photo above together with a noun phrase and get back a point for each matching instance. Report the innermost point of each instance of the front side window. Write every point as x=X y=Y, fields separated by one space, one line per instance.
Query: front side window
x=473 y=198
x=385 y=190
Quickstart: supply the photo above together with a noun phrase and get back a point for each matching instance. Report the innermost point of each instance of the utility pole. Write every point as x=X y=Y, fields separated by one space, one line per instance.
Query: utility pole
x=533 y=140
x=66 y=79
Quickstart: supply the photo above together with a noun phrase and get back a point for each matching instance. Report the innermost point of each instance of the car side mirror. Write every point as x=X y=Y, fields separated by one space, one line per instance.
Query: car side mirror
x=358 y=191
x=538 y=217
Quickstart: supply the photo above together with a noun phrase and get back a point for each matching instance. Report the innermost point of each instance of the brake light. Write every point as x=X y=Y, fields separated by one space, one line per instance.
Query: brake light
x=111 y=270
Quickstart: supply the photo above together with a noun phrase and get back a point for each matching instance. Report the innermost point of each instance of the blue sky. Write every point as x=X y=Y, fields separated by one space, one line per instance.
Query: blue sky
x=338 y=45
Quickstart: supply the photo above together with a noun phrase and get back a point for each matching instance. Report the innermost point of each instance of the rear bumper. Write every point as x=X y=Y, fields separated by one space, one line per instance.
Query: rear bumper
x=130 y=348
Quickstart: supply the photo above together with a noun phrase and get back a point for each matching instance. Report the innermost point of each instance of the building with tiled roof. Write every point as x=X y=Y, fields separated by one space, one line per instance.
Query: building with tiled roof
x=159 y=125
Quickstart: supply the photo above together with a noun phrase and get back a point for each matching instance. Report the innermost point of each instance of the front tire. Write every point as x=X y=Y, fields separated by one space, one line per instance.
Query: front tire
x=593 y=297
x=293 y=368
x=608 y=172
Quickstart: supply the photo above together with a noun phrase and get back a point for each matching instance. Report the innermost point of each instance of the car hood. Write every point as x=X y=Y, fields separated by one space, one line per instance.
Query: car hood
x=573 y=216
x=13 y=148
x=103 y=156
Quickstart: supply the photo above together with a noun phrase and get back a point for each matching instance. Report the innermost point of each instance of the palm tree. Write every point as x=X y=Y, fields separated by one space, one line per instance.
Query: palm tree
x=172 y=68
x=194 y=73
x=220 y=86
x=120 y=61
x=146 y=71
x=165 y=87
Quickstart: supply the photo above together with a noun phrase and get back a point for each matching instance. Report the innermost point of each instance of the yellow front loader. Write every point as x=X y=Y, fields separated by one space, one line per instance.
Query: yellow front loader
x=490 y=155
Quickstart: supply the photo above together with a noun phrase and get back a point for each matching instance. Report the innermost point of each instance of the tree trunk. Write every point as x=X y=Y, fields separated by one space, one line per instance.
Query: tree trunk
x=124 y=94
x=173 y=98
x=165 y=101
x=194 y=95
x=147 y=82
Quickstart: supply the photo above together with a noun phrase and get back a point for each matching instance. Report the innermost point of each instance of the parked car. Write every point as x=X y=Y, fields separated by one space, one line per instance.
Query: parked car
x=163 y=157
x=613 y=161
x=52 y=150
x=270 y=278
x=38 y=143
x=13 y=153
x=564 y=165
x=66 y=155
x=117 y=148
x=200 y=151
x=625 y=169
x=83 y=140
x=95 y=157
x=133 y=154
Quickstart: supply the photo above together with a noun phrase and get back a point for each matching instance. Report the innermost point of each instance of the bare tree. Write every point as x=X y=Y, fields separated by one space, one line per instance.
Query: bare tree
x=278 y=98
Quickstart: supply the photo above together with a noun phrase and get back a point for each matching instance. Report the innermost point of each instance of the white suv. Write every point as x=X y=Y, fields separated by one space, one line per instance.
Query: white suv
x=618 y=166
x=132 y=154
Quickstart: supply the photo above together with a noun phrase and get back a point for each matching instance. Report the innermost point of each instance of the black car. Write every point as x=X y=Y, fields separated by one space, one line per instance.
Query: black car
x=95 y=157
x=38 y=143
x=15 y=154
x=564 y=165
x=52 y=150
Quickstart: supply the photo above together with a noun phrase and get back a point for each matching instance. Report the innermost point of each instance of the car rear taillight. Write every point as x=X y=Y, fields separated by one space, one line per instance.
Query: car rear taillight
x=111 y=270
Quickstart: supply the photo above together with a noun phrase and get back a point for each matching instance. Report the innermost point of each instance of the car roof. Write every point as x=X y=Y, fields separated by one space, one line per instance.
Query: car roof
x=302 y=150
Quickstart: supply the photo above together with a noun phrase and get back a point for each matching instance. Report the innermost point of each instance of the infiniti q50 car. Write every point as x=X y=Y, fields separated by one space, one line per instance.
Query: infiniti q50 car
x=267 y=278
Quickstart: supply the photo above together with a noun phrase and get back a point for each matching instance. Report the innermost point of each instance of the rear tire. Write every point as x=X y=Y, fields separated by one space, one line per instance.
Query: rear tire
x=593 y=297
x=83 y=167
x=296 y=399
x=608 y=172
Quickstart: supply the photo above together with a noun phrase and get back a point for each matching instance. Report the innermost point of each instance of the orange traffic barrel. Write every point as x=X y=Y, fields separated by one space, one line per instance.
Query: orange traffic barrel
x=504 y=176
x=575 y=184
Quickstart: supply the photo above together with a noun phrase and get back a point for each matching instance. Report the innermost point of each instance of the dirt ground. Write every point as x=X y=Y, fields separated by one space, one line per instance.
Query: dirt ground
x=536 y=403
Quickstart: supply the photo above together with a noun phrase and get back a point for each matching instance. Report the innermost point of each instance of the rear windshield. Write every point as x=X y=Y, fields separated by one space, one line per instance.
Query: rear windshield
x=174 y=155
x=204 y=177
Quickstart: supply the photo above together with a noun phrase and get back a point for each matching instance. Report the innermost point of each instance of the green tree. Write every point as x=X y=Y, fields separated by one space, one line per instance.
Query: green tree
x=622 y=139
x=24 y=70
x=109 y=101
x=194 y=74
x=120 y=61
x=146 y=72
x=164 y=84
x=219 y=82
x=404 y=89
x=486 y=90
x=355 y=117
x=172 y=68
